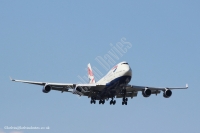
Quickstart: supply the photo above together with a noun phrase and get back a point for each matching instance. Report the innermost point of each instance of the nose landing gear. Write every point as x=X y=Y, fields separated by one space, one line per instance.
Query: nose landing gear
x=124 y=101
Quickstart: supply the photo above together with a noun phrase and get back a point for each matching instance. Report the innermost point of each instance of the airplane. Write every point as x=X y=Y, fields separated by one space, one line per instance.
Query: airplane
x=115 y=84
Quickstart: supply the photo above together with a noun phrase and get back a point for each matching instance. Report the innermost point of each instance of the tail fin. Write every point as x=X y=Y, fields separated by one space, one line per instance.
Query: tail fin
x=90 y=75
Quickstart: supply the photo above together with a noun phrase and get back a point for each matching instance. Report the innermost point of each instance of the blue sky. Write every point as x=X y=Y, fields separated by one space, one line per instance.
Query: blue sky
x=54 y=41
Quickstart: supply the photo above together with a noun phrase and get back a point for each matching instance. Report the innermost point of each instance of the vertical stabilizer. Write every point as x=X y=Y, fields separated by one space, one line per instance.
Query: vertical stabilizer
x=90 y=75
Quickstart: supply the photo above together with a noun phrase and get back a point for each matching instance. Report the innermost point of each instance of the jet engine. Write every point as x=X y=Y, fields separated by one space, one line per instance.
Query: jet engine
x=46 y=89
x=167 y=93
x=146 y=92
x=77 y=90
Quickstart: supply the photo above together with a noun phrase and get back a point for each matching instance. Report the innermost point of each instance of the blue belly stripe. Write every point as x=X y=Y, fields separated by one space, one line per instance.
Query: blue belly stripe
x=119 y=80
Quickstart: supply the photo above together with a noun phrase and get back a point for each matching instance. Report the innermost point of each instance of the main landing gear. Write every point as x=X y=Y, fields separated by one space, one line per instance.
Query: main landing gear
x=101 y=101
x=112 y=102
x=93 y=101
x=124 y=101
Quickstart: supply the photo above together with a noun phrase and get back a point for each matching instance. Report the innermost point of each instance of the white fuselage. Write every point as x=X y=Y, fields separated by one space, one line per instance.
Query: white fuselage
x=118 y=72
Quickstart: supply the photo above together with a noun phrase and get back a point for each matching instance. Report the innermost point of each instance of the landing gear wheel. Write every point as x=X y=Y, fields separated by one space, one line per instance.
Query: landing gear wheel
x=92 y=101
x=101 y=101
x=114 y=102
x=126 y=99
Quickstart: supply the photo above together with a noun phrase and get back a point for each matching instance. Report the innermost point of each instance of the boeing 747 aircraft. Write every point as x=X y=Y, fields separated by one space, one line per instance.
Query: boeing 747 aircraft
x=113 y=85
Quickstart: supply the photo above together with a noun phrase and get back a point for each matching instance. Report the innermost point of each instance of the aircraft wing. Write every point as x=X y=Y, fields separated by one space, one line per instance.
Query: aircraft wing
x=84 y=88
x=132 y=90
x=140 y=88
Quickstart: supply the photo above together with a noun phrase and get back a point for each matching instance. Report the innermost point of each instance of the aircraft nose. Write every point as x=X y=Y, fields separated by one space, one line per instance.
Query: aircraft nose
x=128 y=70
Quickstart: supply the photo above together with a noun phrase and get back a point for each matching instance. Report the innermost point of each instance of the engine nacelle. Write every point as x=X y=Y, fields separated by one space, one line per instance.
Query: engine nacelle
x=167 y=93
x=146 y=92
x=77 y=90
x=46 y=89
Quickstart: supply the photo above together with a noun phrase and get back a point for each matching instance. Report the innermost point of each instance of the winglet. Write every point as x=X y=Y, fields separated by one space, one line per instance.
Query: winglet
x=11 y=79
x=187 y=86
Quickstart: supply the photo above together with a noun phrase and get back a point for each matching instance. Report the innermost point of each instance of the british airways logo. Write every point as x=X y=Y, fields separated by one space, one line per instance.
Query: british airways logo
x=90 y=72
x=114 y=68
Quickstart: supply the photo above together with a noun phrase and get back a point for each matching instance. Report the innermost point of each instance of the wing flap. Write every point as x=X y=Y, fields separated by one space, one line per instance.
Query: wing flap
x=128 y=94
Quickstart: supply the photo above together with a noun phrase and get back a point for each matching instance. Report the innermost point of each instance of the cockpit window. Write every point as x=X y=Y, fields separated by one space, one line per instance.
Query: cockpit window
x=125 y=63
